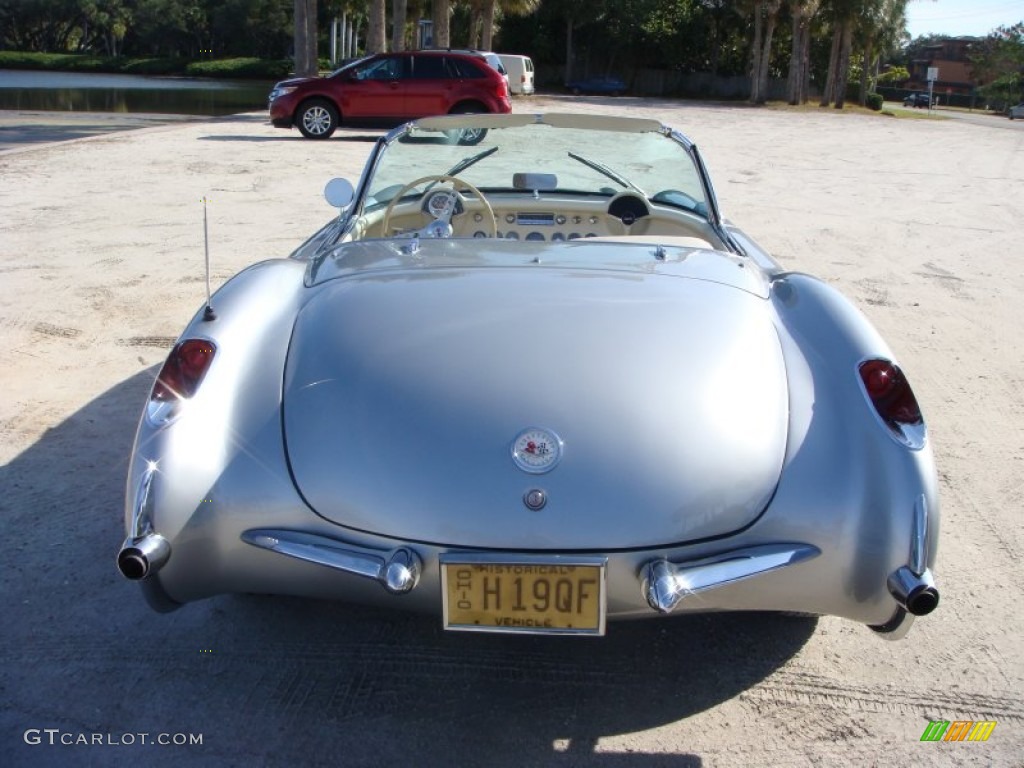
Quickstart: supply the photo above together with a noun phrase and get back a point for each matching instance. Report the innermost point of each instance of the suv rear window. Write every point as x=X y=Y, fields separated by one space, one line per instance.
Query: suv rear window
x=464 y=68
x=429 y=68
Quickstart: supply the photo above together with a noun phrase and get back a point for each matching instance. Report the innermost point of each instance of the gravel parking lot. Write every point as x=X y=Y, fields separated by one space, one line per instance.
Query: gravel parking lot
x=101 y=265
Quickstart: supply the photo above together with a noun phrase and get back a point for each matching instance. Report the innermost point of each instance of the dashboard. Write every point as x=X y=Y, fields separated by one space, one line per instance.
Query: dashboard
x=545 y=226
x=556 y=218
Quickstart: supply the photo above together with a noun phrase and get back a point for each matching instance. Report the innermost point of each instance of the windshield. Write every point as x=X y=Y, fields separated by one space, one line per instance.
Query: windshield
x=574 y=161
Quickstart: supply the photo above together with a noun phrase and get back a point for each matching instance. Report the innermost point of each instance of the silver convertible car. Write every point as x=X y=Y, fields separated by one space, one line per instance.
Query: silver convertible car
x=530 y=380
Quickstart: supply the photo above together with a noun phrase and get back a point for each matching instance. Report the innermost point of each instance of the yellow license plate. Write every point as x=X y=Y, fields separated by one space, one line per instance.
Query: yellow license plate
x=531 y=597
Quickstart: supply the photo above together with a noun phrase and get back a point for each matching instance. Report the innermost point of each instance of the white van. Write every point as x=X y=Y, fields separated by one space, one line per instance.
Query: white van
x=520 y=72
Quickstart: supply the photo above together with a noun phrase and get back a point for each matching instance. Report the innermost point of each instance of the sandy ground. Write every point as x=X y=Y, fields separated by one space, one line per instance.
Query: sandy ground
x=918 y=221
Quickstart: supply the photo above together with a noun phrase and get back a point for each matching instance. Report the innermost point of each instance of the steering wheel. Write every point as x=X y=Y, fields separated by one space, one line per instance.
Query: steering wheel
x=434 y=229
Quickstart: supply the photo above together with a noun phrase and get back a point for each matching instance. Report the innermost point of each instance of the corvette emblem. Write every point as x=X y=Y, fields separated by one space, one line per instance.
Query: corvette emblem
x=536 y=450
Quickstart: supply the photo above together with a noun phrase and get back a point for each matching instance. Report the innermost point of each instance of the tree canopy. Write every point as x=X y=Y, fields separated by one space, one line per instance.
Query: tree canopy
x=824 y=42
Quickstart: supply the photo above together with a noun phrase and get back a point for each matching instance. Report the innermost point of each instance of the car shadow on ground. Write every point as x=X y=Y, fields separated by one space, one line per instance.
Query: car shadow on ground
x=295 y=136
x=283 y=681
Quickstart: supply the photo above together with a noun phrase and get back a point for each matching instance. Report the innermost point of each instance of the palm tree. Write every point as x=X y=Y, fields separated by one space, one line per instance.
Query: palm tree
x=882 y=28
x=442 y=29
x=398 y=11
x=843 y=15
x=766 y=14
x=491 y=9
x=306 y=63
x=798 y=84
x=576 y=12
x=376 y=37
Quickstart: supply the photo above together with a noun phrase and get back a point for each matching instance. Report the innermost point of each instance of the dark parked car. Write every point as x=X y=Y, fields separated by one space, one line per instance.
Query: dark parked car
x=917 y=100
x=388 y=89
x=613 y=86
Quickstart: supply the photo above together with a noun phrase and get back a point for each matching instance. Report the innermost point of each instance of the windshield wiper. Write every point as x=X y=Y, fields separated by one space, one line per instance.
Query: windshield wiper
x=465 y=162
x=605 y=170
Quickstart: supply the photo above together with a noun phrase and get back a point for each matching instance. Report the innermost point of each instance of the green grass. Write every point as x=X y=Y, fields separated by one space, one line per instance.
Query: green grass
x=219 y=68
x=856 y=109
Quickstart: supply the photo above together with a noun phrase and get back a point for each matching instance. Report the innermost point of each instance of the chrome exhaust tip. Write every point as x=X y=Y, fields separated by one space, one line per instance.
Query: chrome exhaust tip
x=915 y=593
x=141 y=558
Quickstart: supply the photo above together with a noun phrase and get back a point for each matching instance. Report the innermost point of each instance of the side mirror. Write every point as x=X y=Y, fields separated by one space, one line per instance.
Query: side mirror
x=339 y=194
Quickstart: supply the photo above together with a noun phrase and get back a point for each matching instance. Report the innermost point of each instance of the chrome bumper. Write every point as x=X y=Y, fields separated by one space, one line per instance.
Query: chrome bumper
x=666 y=584
x=398 y=571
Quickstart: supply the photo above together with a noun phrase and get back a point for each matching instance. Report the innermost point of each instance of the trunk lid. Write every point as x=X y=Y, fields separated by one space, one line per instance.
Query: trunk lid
x=405 y=389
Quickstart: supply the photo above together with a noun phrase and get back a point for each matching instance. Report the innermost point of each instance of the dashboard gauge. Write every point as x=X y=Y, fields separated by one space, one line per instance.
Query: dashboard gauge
x=441 y=204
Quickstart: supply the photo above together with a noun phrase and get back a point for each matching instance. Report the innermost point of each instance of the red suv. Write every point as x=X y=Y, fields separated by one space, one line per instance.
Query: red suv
x=388 y=89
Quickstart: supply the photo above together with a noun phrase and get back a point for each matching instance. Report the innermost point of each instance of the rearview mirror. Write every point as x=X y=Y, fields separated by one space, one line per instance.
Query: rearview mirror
x=537 y=182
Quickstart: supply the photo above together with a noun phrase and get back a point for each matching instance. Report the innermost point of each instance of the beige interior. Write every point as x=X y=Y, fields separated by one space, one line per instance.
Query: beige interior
x=570 y=218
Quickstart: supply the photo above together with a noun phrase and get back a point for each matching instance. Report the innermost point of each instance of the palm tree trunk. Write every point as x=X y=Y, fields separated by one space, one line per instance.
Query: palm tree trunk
x=376 y=40
x=833 y=66
x=442 y=27
x=766 y=53
x=398 y=13
x=487 y=33
x=299 y=37
x=842 y=75
x=755 y=55
x=801 y=24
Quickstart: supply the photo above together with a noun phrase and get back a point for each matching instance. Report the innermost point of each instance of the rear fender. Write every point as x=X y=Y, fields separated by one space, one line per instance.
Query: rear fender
x=848 y=485
x=231 y=426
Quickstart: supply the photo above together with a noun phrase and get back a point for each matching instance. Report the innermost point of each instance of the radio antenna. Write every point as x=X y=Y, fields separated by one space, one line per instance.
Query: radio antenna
x=208 y=313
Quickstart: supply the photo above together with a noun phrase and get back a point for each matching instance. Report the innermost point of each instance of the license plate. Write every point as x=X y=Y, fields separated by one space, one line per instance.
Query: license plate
x=534 y=596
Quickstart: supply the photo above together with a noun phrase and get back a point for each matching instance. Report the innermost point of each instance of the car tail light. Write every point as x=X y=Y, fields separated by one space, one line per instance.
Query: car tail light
x=183 y=370
x=890 y=393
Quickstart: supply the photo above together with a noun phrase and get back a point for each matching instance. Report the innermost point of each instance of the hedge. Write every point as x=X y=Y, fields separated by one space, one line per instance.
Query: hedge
x=219 y=68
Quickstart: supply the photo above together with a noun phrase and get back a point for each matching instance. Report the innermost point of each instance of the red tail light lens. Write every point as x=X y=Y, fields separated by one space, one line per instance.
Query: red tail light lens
x=890 y=393
x=183 y=370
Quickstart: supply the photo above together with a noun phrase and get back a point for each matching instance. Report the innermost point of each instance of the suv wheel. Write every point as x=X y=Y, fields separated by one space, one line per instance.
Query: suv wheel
x=470 y=136
x=317 y=119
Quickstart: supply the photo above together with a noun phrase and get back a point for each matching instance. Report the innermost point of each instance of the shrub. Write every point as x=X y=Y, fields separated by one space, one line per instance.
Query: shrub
x=154 y=66
x=76 y=62
x=241 y=67
x=875 y=101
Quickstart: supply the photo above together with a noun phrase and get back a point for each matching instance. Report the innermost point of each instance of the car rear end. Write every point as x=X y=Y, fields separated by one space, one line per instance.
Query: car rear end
x=484 y=83
x=520 y=73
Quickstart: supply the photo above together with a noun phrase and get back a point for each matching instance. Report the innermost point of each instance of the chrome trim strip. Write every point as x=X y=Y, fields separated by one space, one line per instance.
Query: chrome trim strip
x=666 y=584
x=511 y=558
x=143 y=551
x=919 y=537
x=912 y=585
x=398 y=571
x=143 y=508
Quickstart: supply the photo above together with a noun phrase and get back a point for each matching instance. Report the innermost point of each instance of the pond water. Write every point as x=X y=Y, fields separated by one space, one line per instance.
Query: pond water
x=87 y=92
